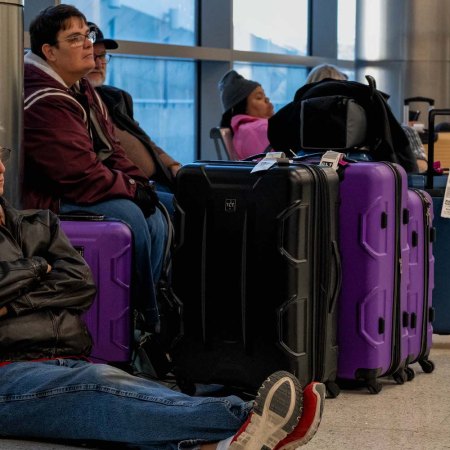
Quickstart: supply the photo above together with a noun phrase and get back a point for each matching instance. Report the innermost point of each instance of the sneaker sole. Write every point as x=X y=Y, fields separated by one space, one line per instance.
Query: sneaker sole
x=276 y=412
x=320 y=392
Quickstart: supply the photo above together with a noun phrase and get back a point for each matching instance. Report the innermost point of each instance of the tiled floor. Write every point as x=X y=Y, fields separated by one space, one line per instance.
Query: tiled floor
x=413 y=416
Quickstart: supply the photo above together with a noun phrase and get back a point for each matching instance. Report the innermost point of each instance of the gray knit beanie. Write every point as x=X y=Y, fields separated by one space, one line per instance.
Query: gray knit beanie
x=234 y=88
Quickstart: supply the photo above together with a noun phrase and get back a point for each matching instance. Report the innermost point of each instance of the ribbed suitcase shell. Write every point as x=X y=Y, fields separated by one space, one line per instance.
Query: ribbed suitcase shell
x=421 y=278
x=257 y=278
x=372 y=333
x=107 y=248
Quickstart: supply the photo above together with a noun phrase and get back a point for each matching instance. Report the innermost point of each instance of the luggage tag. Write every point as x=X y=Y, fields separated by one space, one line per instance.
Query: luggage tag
x=268 y=161
x=331 y=159
x=445 y=211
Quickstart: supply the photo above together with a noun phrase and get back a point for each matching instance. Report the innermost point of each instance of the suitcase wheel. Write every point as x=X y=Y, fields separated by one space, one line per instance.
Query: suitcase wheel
x=427 y=365
x=410 y=374
x=333 y=389
x=400 y=376
x=374 y=386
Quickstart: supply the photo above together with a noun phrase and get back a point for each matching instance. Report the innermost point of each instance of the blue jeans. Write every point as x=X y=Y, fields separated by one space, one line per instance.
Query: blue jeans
x=165 y=197
x=77 y=400
x=149 y=240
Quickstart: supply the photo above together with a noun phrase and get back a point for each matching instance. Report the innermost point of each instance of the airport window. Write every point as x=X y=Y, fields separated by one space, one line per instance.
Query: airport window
x=279 y=82
x=163 y=97
x=272 y=27
x=162 y=89
x=168 y=22
x=346 y=29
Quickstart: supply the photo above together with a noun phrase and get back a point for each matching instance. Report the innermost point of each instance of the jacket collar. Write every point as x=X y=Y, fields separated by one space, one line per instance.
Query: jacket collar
x=40 y=63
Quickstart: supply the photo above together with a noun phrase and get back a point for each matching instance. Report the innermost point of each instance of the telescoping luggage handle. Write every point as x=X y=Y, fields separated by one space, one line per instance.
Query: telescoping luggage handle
x=409 y=100
x=428 y=100
x=431 y=136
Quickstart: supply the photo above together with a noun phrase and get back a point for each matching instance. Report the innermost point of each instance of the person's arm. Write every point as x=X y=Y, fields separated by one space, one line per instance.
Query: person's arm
x=171 y=164
x=20 y=275
x=167 y=160
x=64 y=279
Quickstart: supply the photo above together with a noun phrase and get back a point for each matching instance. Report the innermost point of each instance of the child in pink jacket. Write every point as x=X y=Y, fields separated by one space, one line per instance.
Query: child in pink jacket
x=246 y=111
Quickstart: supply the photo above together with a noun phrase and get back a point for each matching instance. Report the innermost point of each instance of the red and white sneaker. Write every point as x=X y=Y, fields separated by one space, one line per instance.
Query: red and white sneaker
x=275 y=414
x=313 y=401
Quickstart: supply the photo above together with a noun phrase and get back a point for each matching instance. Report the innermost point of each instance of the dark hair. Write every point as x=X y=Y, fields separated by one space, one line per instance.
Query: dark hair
x=48 y=23
x=240 y=108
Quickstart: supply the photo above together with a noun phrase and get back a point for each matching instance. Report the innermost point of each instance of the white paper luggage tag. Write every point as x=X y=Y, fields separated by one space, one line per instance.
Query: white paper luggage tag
x=445 y=212
x=268 y=161
x=331 y=159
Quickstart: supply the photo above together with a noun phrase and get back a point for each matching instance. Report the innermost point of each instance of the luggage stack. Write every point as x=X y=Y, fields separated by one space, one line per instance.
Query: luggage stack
x=253 y=251
x=257 y=270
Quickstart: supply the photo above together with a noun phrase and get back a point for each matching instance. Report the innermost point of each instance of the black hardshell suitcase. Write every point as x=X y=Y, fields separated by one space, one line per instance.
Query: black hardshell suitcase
x=257 y=270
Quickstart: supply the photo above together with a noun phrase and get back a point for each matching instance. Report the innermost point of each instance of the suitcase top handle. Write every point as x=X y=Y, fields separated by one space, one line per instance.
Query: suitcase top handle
x=428 y=100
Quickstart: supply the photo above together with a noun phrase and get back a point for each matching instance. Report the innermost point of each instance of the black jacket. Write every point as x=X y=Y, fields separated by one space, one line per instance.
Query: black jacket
x=120 y=108
x=44 y=309
x=386 y=139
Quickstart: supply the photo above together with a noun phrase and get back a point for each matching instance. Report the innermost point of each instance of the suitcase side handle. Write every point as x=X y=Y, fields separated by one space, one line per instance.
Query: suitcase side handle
x=82 y=215
x=337 y=287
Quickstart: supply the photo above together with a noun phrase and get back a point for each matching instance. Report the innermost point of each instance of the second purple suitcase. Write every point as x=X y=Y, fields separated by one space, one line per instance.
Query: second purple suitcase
x=372 y=332
x=107 y=248
x=421 y=279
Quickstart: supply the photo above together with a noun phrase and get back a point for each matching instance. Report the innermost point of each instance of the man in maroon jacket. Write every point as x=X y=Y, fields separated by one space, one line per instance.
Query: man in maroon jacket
x=73 y=160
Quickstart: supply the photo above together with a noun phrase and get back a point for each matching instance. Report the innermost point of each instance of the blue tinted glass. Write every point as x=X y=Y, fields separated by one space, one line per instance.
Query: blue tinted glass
x=167 y=22
x=279 y=82
x=163 y=98
x=271 y=27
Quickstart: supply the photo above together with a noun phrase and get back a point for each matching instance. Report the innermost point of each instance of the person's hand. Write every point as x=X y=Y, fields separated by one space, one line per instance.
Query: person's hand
x=3 y=311
x=146 y=198
x=49 y=268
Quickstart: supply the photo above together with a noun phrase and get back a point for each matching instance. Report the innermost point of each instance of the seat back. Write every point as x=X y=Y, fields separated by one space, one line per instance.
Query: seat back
x=223 y=142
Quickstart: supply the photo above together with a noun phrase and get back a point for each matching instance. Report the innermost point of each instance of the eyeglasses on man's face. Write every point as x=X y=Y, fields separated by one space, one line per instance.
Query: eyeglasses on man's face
x=4 y=154
x=104 y=58
x=78 y=40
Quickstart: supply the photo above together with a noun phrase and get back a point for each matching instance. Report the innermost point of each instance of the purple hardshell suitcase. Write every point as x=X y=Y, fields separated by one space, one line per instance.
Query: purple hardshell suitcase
x=107 y=248
x=372 y=331
x=421 y=279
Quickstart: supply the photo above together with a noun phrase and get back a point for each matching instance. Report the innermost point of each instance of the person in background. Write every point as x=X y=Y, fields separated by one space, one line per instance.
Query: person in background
x=73 y=160
x=323 y=71
x=50 y=390
x=328 y=71
x=139 y=147
x=246 y=110
x=416 y=146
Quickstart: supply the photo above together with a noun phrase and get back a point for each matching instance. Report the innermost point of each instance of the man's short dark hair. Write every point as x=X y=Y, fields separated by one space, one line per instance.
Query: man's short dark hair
x=47 y=24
